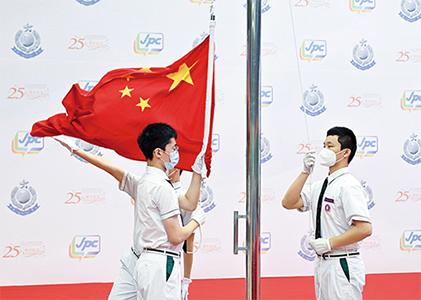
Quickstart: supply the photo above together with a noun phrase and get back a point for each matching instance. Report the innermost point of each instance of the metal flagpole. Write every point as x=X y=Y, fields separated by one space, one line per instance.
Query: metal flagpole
x=253 y=149
x=253 y=155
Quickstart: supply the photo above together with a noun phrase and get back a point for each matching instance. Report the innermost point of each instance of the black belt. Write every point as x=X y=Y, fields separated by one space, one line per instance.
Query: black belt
x=166 y=252
x=327 y=255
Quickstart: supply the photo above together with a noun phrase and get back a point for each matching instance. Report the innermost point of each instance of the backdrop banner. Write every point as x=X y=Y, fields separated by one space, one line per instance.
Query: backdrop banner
x=325 y=63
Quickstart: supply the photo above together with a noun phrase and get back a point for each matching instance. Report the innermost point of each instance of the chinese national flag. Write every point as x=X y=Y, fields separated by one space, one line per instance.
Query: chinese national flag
x=118 y=108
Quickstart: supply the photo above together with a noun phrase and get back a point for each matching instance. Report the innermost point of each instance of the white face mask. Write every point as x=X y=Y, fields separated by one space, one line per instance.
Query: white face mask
x=328 y=157
x=174 y=158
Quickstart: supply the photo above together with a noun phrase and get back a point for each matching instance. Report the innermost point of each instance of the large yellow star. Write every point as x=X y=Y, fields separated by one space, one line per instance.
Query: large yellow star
x=128 y=77
x=126 y=92
x=143 y=103
x=183 y=73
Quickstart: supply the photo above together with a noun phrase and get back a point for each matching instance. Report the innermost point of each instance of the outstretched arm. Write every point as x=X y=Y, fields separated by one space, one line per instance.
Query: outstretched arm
x=98 y=161
x=102 y=163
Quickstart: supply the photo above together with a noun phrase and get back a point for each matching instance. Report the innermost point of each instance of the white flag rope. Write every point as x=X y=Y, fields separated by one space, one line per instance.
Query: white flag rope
x=208 y=107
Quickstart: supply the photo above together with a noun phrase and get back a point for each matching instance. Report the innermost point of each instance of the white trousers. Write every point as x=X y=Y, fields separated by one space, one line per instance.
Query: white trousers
x=339 y=278
x=124 y=287
x=157 y=276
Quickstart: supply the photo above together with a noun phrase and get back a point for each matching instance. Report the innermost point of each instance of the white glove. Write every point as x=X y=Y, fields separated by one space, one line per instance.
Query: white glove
x=67 y=142
x=320 y=245
x=309 y=160
x=185 y=288
x=199 y=215
x=199 y=166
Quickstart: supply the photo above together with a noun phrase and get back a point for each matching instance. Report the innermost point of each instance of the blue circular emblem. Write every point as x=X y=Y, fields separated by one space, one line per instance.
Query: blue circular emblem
x=27 y=42
x=363 y=56
x=313 y=102
x=410 y=10
x=412 y=150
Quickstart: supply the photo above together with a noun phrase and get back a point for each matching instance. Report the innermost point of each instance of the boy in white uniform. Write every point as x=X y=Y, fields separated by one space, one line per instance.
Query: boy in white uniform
x=340 y=212
x=158 y=233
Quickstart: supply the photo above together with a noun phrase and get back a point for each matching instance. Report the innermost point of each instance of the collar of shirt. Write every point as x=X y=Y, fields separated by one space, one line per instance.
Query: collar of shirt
x=156 y=171
x=337 y=173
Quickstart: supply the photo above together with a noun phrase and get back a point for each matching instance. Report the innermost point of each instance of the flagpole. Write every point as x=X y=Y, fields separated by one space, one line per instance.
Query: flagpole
x=209 y=83
x=253 y=149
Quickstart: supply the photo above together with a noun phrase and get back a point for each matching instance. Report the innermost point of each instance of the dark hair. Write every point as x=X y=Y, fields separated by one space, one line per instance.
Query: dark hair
x=346 y=138
x=155 y=135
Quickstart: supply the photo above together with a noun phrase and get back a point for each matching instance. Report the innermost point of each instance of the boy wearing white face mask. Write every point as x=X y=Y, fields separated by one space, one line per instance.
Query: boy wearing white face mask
x=158 y=232
x=340 y=214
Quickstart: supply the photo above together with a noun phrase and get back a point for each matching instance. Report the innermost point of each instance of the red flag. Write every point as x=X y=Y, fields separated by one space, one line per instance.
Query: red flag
x=119 y=107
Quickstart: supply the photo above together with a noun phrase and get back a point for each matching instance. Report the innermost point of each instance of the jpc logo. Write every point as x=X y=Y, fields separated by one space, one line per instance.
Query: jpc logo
x=202 y=1
x=87 y=85
x=24 y=143
x=313 y=50
x=265 y=242
x=411 y=100
x=266 y=95
x=362 y=5
x=149 y=43
x=367 y=147
x=85 y=246
x=216 y=143
x=411 y=240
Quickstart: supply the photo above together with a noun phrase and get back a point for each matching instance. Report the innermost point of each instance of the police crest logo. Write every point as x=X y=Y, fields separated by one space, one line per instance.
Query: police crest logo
x=206 y=199
x=363 y=56
x=23 y=199
x=412 y=150
x=88 y=2
x=410 y=10
x=306 y=251
x=313 y=102
x=265 y=154
x=27 y=42
x=87 y=147
x=264 y=5
x=199 y=39
x=369 y=192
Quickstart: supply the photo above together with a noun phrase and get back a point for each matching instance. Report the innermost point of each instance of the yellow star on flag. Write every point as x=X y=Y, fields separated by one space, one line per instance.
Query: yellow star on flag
x=143 y=103
x=126 y=92
x=128 y=77
x=145 y=69
x=183 y=73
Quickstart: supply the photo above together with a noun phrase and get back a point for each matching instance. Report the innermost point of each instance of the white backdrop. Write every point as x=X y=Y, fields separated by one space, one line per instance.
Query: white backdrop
x=64 y=221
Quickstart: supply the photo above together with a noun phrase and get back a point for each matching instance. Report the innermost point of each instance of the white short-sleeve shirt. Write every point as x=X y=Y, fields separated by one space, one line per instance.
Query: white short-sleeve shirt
x=344 y=201
x=185 y=214
x=155 y=200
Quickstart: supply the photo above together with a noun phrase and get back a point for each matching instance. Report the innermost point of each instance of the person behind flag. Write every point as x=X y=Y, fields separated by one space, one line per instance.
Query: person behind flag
x=158 y=231
x=186 y=216
x=340 y=211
